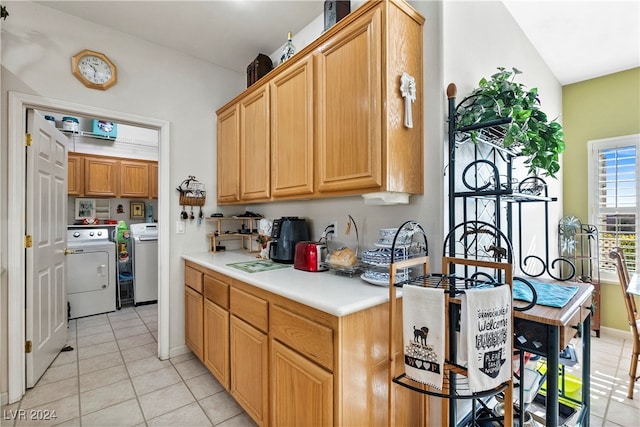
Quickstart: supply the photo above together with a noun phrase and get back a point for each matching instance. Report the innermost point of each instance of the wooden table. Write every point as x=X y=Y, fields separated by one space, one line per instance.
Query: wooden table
x=546 y=331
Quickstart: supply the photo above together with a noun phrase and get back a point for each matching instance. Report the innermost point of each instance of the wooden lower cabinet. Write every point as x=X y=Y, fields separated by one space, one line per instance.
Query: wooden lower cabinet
x=293 y=365
x=194 y=321
x=216 y=341
x=250 y=369
x=301 y=391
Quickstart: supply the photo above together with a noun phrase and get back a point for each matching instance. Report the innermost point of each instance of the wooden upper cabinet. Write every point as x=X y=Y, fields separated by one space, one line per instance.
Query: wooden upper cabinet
x=228 y=151
x=100 y=176
x=153 y=180
x=349 y=107
x=292 y=131
x=75 y=175
x=362 y=142
x=255 y=159
x=330 y=121
x=134 y=179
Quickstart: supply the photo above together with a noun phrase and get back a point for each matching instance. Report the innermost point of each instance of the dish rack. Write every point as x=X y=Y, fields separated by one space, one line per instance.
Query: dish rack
x=408 y=242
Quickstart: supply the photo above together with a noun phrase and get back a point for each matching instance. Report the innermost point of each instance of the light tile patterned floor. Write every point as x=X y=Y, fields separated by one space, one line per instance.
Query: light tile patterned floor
x=114 y=378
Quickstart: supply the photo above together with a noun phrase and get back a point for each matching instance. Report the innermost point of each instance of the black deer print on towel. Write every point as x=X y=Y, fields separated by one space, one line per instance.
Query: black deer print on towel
x=420 y=335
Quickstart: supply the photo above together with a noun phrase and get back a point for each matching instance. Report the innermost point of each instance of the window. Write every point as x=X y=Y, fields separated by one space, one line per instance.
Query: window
x=613 y=198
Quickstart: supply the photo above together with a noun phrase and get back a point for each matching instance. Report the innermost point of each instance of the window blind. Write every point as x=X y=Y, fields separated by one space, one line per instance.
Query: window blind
x=614 y=200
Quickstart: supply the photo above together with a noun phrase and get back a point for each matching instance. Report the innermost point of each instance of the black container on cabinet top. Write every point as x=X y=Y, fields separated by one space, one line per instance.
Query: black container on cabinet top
x=335 y=11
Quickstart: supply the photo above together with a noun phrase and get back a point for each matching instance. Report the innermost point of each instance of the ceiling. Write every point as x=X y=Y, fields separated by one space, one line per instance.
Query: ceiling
x=578 y=39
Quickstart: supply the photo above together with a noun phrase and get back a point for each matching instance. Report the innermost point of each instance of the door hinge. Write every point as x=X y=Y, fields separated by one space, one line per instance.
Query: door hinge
x=28 y=241
x=28 y=346
x=28 y=139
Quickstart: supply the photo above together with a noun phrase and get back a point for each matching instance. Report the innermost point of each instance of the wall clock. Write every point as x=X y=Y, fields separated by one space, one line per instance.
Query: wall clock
x=94 y=69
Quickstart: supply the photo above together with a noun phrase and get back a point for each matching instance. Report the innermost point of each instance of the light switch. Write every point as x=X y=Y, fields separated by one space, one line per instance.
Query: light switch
x=179 y=227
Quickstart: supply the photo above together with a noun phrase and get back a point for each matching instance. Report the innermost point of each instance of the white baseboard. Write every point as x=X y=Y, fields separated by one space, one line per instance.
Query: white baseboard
x=615 y=333
x=177 y=351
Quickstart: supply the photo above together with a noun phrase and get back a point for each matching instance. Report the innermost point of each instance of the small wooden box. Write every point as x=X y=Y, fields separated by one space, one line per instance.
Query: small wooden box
x=258 y=68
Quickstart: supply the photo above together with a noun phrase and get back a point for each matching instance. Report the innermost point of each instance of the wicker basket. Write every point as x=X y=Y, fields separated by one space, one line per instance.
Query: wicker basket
x=192 y=201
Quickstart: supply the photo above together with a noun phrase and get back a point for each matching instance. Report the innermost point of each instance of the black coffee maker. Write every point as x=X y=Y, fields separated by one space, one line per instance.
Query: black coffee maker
x=285 y=233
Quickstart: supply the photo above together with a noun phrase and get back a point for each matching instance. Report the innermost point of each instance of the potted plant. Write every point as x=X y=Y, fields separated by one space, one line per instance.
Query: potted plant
x=529 y=133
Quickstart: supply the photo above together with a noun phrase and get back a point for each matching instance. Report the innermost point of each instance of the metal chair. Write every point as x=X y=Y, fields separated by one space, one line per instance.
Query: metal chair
x=632 y=314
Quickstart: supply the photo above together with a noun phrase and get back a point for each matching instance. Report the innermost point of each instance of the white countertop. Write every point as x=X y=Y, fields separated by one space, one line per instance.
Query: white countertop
x=325 y=291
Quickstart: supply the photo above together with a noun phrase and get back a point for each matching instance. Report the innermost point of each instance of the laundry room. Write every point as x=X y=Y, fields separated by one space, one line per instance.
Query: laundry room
x=112 y=196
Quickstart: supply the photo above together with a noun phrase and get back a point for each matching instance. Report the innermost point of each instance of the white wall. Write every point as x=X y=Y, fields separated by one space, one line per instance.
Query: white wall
x=462 y=43
x=37 y=44
x=479 y=37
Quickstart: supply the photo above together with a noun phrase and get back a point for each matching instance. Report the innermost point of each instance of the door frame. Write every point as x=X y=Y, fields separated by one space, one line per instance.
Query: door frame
x=18 y=103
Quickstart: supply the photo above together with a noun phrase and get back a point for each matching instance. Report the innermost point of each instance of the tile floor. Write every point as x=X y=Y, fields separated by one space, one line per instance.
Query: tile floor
x=610 y=360
x=113 y=378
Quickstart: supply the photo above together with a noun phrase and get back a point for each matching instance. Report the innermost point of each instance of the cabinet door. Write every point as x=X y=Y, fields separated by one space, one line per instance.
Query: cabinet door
x=153 y=180
x=228 y=149
x=134 y=179
x=100 y=176
x=216 y=341
x=75 y=175
x=193 y=321
x=301 y=391
x=292 y=131
x=255 y=158
x=249 y=369
x=348 y=106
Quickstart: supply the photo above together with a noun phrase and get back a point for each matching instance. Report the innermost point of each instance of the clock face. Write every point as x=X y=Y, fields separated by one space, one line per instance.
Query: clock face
x=95 y=69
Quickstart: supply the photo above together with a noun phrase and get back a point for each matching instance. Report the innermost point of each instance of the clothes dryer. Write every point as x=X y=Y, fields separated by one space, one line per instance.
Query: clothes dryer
x=91 y=280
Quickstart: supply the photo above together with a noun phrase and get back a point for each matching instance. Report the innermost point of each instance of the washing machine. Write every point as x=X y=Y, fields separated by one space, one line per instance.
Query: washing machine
x=144 y=238
x=91 y=276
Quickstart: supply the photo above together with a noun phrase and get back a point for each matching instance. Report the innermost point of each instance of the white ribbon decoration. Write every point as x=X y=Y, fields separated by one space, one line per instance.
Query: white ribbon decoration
x=408 y=91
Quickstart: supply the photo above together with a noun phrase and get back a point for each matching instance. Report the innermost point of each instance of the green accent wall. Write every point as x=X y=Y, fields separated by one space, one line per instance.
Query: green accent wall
x=604 y=107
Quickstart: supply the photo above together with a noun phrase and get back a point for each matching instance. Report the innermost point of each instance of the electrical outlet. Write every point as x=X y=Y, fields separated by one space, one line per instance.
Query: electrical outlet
x=180 y=227
x=334 y=223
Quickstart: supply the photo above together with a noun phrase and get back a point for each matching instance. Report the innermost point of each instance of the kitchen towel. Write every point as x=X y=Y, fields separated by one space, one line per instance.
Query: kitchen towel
x=487 y=328
x=423 y=321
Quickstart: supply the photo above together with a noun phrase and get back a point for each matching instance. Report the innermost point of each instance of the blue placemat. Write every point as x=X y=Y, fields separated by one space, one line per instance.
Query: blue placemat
x=258 y=266
x=549 y=294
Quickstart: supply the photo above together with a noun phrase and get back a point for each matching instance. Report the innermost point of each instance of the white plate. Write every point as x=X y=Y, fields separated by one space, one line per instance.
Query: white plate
x=380 y=244
x=374 y=281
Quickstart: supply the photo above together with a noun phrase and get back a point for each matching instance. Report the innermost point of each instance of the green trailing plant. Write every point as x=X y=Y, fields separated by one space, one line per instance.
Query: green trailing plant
x=529 y=133
x=3 y=12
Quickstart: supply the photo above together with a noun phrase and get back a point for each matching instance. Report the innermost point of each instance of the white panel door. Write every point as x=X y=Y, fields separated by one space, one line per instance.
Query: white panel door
x=46 y=218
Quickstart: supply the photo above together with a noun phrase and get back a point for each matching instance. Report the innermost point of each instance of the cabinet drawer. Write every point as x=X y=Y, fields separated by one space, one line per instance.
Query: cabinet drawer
x=313 y=340
x=193 y=278
x=251 y=309
x=216 y=290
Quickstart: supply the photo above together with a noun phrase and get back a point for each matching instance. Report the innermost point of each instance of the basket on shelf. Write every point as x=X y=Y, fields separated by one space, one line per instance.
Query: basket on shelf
x=192 y=192
x=186 y=200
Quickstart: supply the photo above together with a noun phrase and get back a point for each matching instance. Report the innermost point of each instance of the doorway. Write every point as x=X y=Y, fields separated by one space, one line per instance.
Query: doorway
x=16 y=259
